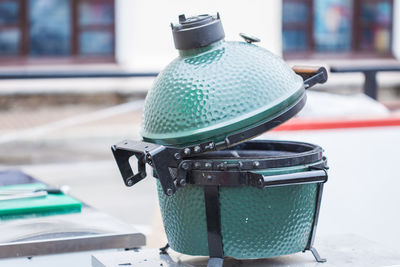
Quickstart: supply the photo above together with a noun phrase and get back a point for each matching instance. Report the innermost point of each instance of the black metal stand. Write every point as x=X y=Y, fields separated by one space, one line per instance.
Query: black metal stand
x=215 y=247
x=213 y=217
x=314 y=227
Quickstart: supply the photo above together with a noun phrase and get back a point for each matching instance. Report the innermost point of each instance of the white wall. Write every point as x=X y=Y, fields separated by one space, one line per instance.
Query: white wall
x=144 y=37
x=396 y=29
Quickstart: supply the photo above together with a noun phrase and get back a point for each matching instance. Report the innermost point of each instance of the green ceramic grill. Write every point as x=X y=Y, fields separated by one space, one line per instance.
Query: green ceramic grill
x=220 y=194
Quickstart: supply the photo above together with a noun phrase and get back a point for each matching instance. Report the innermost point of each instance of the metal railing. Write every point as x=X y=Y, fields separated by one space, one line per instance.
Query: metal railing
x=20 y=75
x=370 y=83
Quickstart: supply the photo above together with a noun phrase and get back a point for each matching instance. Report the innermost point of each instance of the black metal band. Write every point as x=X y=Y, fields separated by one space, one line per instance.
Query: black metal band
x=253 y=155
x=211 y=197
x=248 y=178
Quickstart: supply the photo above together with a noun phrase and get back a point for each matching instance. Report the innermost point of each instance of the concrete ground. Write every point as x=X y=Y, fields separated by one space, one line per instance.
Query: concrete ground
x=360 y=198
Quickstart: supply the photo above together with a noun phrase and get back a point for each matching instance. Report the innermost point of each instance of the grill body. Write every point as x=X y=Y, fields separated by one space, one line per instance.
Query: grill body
x=255 y=222
x=220 y=194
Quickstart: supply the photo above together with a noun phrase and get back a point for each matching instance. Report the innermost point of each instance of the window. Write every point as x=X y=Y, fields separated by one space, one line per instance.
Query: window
x=297 y=25
x=80 y=29
x=337 y=26
x=95 y=28
x=375 y=26
x=10 y=24
x=333 y=25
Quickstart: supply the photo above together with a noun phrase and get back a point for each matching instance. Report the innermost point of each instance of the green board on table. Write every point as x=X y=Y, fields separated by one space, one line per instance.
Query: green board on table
x=41 y=206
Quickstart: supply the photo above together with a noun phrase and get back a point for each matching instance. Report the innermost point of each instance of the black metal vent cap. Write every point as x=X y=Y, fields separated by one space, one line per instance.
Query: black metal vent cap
x=197 y=31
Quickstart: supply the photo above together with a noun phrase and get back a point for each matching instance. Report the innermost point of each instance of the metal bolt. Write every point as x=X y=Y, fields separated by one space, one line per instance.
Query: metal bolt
x=177 y=156
x=222 y=166
x=240 y=165
x=197 y=165
x=211 y=145
x=182 y=182
x=185 y=166
x=129 y=183
x=208 y=165
x=169 y=192
x=256 y=164
x=186 y=151
x=197 y=149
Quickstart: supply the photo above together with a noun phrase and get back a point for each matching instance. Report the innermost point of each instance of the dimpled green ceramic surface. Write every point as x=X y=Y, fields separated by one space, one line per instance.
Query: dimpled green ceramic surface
x=255 y=223
x=207 y=93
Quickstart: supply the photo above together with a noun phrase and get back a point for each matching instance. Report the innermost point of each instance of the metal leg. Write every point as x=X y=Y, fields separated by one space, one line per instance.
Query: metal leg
x=317 y=256
x=163 y=250
x=310 y=247
x=370 y=85
x=320 y=189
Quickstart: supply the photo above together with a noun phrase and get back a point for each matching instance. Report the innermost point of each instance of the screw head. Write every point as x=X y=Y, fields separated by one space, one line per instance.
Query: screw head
x=186 y=151
x=185 y=166
x=240 y=164
x=197 y=149
x=256 y=164
x=221 y=166
x=169 y=192
x=182 y=182
x=177 y=156
x=197 y=165
x=208 y=165
x=129 y=183
x=211 y=145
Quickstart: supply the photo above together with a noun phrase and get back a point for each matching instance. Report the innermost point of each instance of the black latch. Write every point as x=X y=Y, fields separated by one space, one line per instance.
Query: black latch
x=158 y=156
x=161 y=158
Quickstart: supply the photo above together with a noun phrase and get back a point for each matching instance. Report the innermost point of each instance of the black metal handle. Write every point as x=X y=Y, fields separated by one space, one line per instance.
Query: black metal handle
x=314 y=176
x=157 y=156
x=122 y=156
x=311 y=75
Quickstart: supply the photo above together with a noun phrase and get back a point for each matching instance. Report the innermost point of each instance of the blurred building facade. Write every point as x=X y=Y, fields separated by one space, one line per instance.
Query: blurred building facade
x=347 y=28
x=136 y=34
